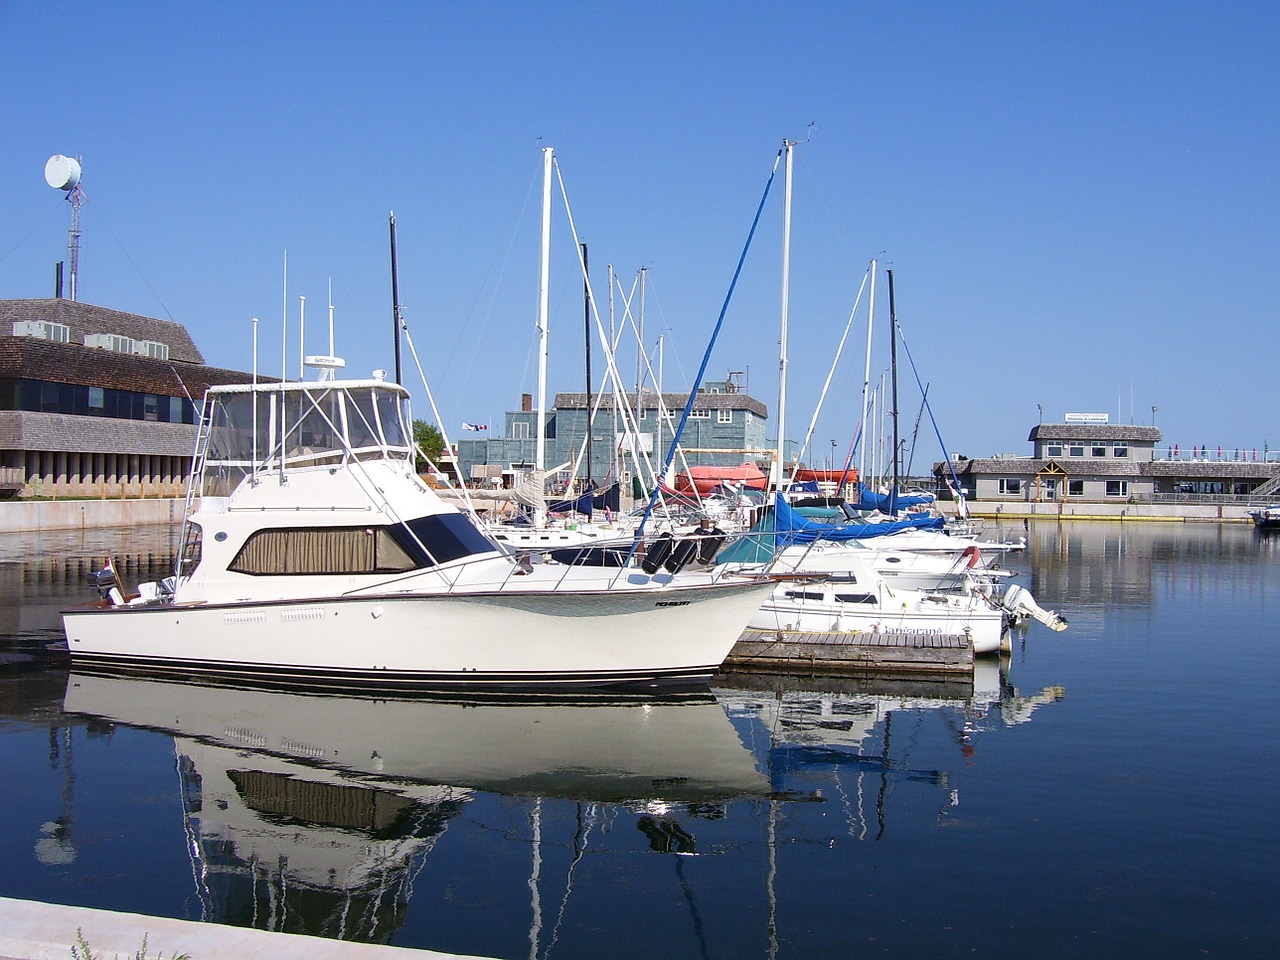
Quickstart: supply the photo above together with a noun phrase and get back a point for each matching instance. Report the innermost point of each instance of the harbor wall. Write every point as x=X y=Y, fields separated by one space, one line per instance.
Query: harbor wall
x=20 y=516
x=1059 y=510
x=24 y=516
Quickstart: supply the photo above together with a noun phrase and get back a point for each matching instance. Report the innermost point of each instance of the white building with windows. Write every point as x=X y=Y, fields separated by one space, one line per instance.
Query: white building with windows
x=1087 y=460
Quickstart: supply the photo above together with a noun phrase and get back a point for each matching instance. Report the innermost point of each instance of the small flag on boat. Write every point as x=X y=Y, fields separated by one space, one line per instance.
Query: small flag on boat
x=476 y=427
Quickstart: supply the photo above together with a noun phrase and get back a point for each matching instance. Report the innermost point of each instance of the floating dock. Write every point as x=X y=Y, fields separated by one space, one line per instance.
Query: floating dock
x=888 y=654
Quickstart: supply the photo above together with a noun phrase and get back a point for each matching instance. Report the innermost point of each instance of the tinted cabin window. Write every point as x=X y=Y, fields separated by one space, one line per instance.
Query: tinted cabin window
x=439 y=539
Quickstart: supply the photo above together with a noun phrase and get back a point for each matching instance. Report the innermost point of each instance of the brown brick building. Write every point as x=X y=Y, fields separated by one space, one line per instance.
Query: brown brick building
x=95 y=402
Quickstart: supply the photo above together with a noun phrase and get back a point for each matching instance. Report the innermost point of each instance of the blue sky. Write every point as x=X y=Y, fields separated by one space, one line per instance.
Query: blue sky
x=1079 y=201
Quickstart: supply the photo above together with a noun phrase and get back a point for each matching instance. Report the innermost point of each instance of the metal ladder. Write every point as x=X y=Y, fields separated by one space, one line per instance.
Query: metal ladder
x=203 y=430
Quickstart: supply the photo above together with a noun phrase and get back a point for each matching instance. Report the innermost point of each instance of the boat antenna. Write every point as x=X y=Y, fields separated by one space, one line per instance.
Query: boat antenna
x=395 y=296
x=331 y=353
x=284 y=323
x=302 y=338
x=253 y=467
x=63 y=173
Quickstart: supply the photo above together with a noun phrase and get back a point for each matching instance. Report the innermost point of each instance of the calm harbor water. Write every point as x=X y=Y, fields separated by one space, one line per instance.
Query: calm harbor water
x=1106 y=792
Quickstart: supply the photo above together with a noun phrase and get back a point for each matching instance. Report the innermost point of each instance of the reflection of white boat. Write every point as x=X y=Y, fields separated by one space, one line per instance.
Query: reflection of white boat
x=318 y=555
x=314 y=814
x=666 y=748
x=847 y=724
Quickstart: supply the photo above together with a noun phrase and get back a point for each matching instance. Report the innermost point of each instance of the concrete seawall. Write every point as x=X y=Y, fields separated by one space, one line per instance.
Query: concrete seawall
x=47 y=931
x=1123 y=512
x=34 y=515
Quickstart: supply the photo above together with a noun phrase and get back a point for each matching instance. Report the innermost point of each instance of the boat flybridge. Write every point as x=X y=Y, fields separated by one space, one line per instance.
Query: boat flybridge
x=314 y=554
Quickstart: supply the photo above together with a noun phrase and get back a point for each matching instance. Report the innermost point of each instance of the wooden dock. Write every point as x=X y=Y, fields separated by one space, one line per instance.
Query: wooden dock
x=889 y=654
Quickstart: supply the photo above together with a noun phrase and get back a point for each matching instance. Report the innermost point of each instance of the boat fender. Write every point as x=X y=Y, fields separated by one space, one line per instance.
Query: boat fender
x=684 y=551
x=656 y=554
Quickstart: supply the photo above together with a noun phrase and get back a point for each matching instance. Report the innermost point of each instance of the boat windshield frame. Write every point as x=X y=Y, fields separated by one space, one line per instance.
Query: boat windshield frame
x=258 y=429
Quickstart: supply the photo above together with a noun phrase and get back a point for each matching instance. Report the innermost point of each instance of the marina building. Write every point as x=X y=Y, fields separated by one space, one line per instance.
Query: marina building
x=726 y=427
x=95 y=402
x=1089 y=460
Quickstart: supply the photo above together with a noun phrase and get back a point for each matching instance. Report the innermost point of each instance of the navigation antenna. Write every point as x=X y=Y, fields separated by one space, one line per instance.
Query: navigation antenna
x=63 y=173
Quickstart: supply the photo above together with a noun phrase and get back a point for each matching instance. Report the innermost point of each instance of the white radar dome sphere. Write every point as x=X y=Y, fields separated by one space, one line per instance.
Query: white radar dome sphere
x=62 y=173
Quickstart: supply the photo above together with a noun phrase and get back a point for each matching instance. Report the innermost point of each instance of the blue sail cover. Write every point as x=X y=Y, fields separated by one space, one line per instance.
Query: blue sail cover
x=584 y=504
x=794 y=528
x=870 y=500
x=782 y=526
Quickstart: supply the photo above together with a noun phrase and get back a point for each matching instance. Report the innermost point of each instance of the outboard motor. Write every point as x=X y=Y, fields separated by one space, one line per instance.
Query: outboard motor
x=104 y=581
x=1019 y=602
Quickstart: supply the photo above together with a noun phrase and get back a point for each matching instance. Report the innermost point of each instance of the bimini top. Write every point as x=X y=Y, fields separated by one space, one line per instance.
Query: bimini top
x=275 y=426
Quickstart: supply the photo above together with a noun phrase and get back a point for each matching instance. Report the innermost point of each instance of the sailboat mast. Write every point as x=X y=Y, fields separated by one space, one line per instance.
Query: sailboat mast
x=544 y=283
x=893 y=373
x=586 y=317
x=866 y=382
x=780 y=482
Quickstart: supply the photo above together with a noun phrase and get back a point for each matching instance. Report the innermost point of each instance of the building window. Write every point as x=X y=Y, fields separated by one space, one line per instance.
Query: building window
x=724 y=416
x=96 y=400
x=1075 y=450
x=699 y=414
x=1120 y=451
x=1098 y=449
x=1053 y=450
x=1075 y=488
x=150 y=407
x=644 y=414
x=520 y=430
x=1117 y=488
x=1010 y=486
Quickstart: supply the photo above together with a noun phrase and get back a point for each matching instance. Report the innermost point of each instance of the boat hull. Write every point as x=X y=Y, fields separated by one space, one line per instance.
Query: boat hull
x=511 y=639
x=986 y=629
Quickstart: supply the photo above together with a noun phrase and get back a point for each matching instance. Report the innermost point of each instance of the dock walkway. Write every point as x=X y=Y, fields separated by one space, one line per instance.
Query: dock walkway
x=884 y=654
x=47 y=931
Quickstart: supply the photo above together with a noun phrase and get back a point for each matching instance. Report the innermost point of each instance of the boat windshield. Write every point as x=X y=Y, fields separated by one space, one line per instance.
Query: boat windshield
x=274 y=427
x=395 y=548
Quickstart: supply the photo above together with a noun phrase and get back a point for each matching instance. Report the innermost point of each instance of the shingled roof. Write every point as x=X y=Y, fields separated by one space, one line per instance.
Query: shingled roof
x=85 y=319
x=1094 y=431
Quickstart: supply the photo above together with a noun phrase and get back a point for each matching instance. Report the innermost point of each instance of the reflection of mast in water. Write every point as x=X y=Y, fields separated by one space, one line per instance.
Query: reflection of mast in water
x=57 y=846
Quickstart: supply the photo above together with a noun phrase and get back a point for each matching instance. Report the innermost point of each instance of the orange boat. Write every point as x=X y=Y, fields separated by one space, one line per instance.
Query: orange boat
x=705 y=479
x=804 y=475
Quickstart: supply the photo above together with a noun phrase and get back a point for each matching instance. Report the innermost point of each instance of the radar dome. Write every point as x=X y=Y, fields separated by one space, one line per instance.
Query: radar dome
x=62 y=173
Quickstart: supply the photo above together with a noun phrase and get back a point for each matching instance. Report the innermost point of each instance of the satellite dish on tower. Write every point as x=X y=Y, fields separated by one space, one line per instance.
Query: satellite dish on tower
x=62 y=173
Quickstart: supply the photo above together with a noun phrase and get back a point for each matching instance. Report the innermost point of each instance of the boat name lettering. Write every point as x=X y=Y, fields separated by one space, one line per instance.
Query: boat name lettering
x=672 y=603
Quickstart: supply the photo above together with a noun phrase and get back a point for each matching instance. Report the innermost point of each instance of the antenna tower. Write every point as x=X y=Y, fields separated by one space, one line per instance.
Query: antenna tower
x=63 y=173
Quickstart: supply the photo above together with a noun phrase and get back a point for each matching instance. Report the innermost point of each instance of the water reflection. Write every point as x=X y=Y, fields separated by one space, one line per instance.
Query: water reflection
x=312 y=814
x=316 y=814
